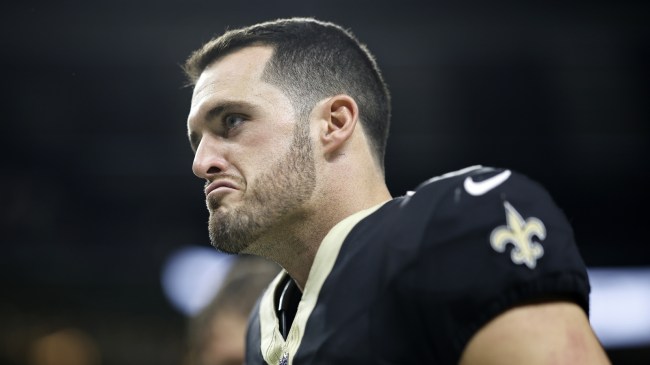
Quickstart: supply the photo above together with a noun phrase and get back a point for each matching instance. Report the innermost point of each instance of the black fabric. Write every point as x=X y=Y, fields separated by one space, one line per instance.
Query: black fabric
x=253 y=340
x=287 y=298
x=415 y=280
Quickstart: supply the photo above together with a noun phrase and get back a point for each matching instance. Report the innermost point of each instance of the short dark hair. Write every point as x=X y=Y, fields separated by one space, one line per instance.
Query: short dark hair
x=311 y=61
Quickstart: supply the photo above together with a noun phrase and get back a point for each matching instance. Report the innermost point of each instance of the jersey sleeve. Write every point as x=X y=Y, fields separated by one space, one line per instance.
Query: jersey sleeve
x=494 y=240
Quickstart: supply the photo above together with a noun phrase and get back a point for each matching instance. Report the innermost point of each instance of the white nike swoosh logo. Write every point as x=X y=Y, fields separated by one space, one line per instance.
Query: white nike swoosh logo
x=482 y=187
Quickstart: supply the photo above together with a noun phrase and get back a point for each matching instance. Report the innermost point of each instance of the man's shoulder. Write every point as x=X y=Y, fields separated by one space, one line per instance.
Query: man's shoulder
x=476 y=181
x=454 y=203
x=474 y=212
x=475 y=192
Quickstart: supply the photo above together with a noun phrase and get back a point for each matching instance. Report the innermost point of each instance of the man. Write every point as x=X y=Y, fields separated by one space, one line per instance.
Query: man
x=288 y=122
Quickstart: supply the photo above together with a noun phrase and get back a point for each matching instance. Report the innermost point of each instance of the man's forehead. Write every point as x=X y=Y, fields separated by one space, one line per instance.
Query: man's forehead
x=244 y=65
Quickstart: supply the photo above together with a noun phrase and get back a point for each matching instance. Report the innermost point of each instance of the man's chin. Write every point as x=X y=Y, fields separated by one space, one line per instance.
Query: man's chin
x=226 y=236
x=226 y=245
x=223 y=203
x=217 y=210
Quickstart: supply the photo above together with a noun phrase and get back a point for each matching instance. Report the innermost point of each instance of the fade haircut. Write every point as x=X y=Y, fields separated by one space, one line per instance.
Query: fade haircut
x=312 y=60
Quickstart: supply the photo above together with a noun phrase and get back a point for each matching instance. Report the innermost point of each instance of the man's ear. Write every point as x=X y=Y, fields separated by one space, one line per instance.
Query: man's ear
x=341 y=115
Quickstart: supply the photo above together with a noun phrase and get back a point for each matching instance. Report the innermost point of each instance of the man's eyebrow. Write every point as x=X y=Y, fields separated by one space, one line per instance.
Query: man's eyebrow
x=225 y=106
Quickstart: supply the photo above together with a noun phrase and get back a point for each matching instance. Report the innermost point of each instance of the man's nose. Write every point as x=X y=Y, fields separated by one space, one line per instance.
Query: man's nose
x=209 y=158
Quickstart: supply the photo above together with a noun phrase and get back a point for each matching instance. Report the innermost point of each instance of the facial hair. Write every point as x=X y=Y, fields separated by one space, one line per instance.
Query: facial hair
x=277 y=193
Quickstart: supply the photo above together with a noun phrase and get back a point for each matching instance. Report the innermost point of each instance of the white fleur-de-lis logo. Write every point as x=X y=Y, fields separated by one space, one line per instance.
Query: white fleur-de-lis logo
x=519 y=233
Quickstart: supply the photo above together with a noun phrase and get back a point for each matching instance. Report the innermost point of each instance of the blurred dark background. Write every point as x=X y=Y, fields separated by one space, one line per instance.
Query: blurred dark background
x=96 y=188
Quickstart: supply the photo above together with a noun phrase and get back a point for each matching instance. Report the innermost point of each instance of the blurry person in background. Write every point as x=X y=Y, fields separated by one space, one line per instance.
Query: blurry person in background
x=69 y=346
x=217 y=334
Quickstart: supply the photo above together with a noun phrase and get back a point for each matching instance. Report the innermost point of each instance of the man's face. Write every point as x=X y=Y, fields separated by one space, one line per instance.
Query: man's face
x=257 y=159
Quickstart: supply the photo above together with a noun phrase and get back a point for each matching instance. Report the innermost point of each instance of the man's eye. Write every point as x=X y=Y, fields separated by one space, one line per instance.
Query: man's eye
x=232 y=121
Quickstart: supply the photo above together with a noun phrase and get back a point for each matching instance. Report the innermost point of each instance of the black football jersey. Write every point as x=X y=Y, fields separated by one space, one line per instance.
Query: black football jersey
x=412 y=280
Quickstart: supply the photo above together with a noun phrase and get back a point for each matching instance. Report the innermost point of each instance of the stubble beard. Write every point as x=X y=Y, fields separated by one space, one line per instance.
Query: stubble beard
x=277 y=193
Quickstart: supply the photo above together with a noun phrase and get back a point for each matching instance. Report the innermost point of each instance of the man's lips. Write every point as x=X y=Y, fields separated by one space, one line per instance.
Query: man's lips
x=219 y=184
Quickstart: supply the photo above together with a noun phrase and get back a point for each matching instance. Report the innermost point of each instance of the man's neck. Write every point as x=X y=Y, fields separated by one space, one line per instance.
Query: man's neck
x=294 y=242
x=297 y=255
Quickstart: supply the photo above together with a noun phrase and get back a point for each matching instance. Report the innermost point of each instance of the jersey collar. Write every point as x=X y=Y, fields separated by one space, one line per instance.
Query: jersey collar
x=273 y=345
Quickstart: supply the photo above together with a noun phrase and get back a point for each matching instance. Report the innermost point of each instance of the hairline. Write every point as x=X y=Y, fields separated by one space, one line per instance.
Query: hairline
x=266 y=75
